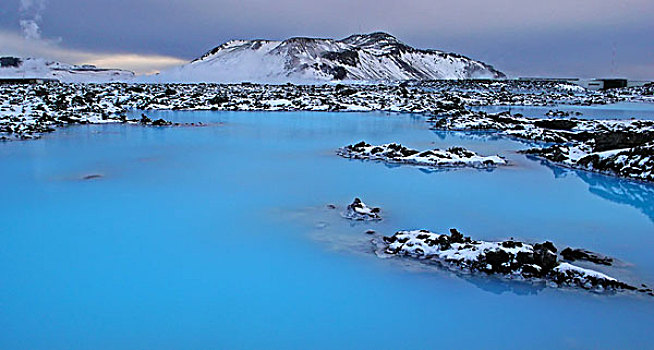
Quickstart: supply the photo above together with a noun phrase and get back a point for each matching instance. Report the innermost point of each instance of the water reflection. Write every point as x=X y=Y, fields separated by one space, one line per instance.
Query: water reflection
x=486 y=137
x=477 y=135
x=499 y=286
x=345 y=236
x=636 y=194
x=424 y=169
x=488 y=283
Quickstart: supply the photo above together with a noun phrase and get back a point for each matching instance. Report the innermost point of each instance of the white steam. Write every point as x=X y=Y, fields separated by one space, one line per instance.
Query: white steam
x=31 y=29
x=31 y=14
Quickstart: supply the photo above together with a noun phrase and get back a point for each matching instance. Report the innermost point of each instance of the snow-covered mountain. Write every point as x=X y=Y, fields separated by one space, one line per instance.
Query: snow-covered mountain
x=364 y=57
x=15 y=67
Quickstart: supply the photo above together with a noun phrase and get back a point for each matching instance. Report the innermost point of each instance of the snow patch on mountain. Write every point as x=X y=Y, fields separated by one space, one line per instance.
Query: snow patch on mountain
x=361 y=57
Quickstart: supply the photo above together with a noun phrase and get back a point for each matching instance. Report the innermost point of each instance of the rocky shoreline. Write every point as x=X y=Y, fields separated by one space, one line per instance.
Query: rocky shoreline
x=623 y=148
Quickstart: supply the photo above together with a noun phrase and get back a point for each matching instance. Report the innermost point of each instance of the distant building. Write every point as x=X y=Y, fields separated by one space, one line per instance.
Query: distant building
x=604 y=83
x=592 y=84
x=7 y=62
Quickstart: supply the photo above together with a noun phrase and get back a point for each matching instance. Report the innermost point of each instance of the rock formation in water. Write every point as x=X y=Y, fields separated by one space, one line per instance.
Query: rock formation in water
x=511 y=259
x=393 y=153
x=358 y=210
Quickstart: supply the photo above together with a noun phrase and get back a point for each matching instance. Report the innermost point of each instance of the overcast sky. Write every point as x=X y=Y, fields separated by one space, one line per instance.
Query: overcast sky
x=585 y=38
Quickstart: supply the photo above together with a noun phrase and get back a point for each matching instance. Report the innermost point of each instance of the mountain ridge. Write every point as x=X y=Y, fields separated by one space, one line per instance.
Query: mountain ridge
x=375 y=56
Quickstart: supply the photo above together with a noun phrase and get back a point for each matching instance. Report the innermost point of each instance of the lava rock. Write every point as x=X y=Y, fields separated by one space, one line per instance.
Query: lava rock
x=616 y=140
x=585 y=255
x=557 y=124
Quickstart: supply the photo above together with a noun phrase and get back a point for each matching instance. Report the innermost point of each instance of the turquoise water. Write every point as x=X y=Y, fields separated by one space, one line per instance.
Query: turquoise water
x=219 y=237
x=620 y=110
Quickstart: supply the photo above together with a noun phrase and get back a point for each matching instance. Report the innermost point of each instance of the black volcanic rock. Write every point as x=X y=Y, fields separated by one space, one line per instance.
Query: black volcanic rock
x=585 y=255
x=619 y=139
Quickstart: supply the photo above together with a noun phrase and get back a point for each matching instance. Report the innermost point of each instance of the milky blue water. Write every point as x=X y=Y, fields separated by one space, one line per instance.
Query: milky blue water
x=620 y=110
x=219 y=237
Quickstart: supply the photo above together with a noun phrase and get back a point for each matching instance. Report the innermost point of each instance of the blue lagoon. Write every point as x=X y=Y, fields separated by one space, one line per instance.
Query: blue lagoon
x=219 y=236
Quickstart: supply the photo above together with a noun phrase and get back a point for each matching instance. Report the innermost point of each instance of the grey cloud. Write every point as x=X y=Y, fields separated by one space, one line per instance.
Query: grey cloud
x=553 y=37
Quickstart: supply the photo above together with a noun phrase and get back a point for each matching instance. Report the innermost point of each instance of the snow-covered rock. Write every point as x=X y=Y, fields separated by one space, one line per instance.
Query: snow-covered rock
x=39 y=68
x=365 y=57
x=397 y=154
x=566 y=274
x=358 y=210
x=510 y=259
